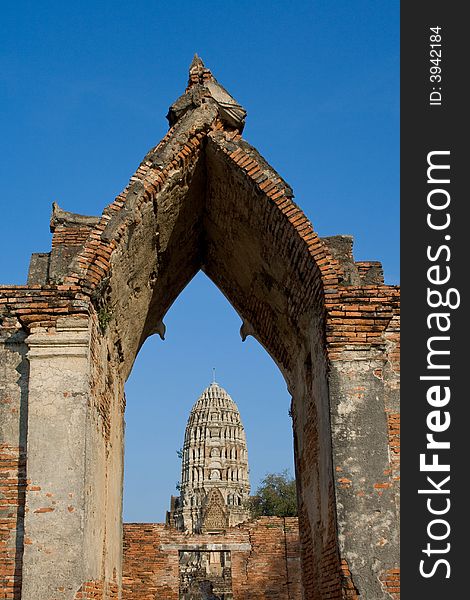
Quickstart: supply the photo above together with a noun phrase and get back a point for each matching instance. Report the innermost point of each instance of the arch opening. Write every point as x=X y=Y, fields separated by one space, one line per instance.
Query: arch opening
x=256 y=368
x=202 y=331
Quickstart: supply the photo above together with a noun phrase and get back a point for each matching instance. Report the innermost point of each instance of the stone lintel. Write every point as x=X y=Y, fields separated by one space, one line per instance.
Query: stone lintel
x=193 y=547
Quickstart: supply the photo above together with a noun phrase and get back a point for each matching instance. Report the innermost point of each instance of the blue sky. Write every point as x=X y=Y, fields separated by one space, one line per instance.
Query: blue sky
x=84 y=90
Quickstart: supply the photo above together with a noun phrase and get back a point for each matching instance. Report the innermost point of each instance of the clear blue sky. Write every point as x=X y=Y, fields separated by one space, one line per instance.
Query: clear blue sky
x=84 y=89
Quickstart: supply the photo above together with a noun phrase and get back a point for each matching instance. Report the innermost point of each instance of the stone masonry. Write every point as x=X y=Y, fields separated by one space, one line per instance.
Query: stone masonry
x=203 y=198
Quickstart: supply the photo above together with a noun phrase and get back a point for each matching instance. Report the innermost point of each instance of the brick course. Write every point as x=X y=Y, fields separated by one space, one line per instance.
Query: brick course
x=12 y=502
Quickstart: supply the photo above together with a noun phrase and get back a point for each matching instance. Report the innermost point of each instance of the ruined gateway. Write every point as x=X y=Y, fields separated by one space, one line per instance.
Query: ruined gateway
x=203 y=198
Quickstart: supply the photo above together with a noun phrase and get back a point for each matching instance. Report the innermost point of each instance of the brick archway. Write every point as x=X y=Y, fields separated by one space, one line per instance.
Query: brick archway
x=202 y=199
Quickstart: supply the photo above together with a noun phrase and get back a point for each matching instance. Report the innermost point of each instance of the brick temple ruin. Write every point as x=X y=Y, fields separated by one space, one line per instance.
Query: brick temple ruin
x=203 y=198
x=209 y=540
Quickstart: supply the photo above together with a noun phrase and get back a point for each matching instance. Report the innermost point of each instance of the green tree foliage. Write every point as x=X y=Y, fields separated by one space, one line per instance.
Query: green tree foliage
x=275 y=496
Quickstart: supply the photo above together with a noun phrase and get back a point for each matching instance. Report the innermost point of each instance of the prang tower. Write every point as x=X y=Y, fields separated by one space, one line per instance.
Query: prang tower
x=214 y=474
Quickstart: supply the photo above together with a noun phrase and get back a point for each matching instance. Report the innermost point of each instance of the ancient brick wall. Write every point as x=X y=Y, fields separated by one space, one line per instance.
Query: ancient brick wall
x=271 y=569
x=97 y=590
x=13 y=421
x=265 y=559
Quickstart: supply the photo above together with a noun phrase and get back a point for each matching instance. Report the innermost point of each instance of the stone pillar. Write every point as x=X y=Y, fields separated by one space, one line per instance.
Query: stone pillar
x=365 y=486
x=55 y=500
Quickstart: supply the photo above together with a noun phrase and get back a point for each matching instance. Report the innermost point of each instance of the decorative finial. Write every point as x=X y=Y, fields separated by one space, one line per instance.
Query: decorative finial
x=198 y=73
x=213 y=375
x=196 y=62
x=203 y=88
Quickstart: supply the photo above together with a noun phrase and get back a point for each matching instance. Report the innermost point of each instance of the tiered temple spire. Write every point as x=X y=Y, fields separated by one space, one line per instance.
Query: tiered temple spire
x=214 y=476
